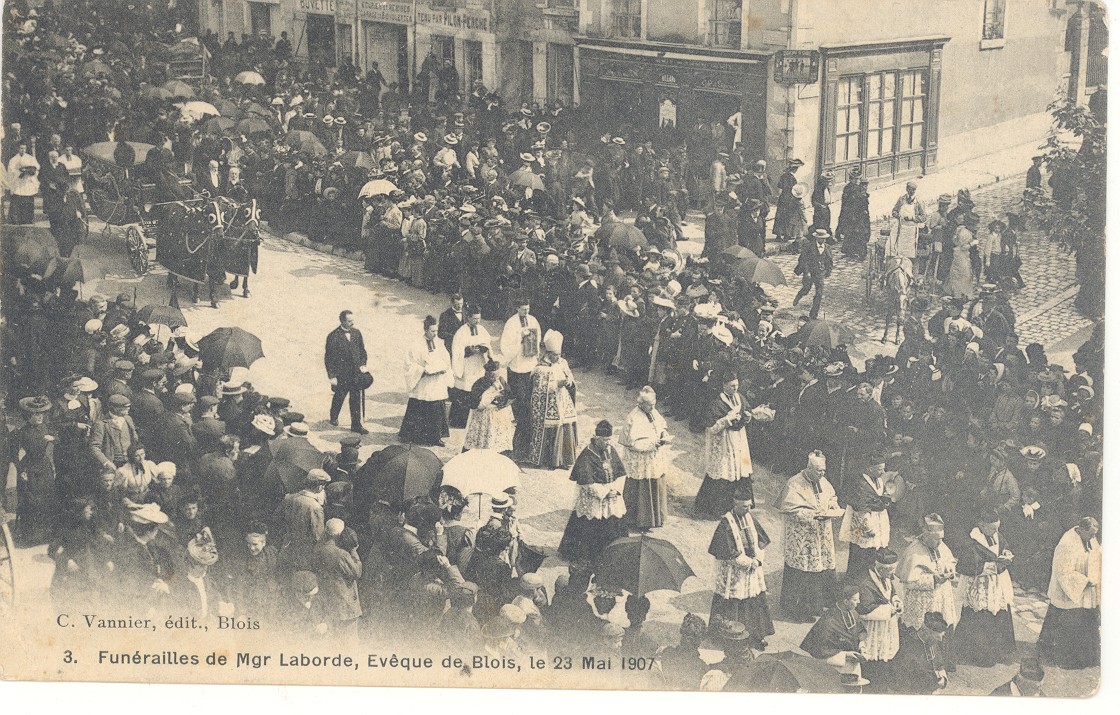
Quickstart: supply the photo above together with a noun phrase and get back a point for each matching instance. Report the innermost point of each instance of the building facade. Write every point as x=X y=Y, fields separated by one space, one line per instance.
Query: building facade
x=838 y=84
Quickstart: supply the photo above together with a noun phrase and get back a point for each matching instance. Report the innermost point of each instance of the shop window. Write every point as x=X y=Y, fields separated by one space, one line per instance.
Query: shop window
x=444 y=47
x=994 y=29
x=560 y=72
x=260 y=18
x=911 y=128
x=627 y=15
x=473 y=51
x=880 y=115
x=727 y=24
x=849 y=108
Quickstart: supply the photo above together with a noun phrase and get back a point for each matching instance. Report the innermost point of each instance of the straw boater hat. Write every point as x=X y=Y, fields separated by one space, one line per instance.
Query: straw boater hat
x=265 y=424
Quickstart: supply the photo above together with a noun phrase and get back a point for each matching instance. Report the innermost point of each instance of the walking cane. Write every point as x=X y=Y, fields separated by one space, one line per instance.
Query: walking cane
x=363 y=405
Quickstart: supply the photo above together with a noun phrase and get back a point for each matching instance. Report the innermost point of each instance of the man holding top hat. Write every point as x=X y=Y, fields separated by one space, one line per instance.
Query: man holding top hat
x=345 y=357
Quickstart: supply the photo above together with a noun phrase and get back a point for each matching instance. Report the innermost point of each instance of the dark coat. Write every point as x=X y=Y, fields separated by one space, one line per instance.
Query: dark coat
x=344 y=357
x=813 y=263
x=449 y=324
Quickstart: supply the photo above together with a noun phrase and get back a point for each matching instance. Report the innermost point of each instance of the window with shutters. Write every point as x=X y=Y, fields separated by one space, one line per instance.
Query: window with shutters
x=880 y=114
x=627 y=18
x=727 y=24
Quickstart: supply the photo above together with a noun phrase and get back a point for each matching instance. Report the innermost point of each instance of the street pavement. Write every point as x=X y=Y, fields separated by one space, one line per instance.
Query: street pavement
x=296 y=300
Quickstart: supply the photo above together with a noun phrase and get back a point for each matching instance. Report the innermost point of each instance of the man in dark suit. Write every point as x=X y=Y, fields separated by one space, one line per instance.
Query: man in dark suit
x=814 y=265
x=147 y=408
x=345 y=358
x=451 y=320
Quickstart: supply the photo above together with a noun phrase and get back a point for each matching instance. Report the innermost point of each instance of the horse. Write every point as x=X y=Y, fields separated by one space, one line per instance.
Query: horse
x=898 y=280
x=189 y=245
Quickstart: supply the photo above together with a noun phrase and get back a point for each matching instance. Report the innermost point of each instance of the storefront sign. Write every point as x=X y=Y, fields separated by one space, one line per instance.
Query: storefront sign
x=397 y=13
x=796 y=66
x=454 y=19
x=317 y=7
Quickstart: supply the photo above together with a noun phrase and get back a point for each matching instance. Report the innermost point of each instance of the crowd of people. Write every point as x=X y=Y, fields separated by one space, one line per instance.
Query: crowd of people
x=978 y=461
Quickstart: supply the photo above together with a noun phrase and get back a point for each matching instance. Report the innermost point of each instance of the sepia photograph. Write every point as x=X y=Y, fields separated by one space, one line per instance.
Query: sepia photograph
x=749 y=346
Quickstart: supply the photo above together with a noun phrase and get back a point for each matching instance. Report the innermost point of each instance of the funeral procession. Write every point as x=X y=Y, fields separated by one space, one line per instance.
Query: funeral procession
x=695 y=345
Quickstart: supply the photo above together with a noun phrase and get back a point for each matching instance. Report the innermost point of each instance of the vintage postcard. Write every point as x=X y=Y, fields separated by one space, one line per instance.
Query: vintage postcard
x=701 y=345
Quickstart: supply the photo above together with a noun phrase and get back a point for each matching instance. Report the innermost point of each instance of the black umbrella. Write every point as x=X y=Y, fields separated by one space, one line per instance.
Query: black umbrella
x=294 y=458
x=162 y=315
x=230 y=347
x=785 y=672
x=408 y=472
x=641 y=564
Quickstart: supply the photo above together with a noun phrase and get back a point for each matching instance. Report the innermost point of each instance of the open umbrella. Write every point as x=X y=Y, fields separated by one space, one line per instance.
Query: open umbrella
x=161 y=315
x=227 y=108
x=249 y=77
x=641 y=564
x=96 y=68
x=411 y=472
x=230 y=347
x=377 y=187
x=68 y=271
x=824 y=333
x=253 y=125
x=305 y=141
x=157 y=93
x=739 y=252
x=759 y=270
x=104 y=151
x=197 y=110
x=257 y=109
x=621 y=235
x=524 y=178
x=218 y=125
x=30 y=247
x=785 y=672
x=292 y=459
x=481 y=471
x=179 y=89
x=356 y=159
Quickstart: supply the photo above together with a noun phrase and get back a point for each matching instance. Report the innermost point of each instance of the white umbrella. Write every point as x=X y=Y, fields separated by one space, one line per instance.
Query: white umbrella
x=249 y=77
x=377 y=187
x=197 y=110
x=481 y=471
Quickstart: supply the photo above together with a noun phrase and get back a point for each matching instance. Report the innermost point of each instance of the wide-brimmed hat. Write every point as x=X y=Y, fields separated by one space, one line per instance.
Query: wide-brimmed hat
x=619 y=141
x=544 y=127
x=822 y=233
x=265 y=424
x=526 y=156
x=147 y=514
x=86 y=384
x=35 y=405
x=420 y=137
x=450 y=139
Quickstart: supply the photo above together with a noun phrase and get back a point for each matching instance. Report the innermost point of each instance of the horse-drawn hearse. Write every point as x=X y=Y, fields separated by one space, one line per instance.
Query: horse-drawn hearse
x=197 y=237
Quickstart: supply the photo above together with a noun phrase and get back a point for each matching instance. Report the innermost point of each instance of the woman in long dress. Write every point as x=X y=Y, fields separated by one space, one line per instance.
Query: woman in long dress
x=959 y=283
x=552 y=410
x=33 y=453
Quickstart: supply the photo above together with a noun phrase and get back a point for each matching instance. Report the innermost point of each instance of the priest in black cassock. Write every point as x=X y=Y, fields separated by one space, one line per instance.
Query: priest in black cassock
x=985 y=633
x=835 y=637
x=739 y=545
x=596 y=519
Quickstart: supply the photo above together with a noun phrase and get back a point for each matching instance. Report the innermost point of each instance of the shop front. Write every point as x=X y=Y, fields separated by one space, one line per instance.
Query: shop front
x=879 y=108
x=319 y=32
x=382 y=36
x=666 y=88
x=463 y=36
